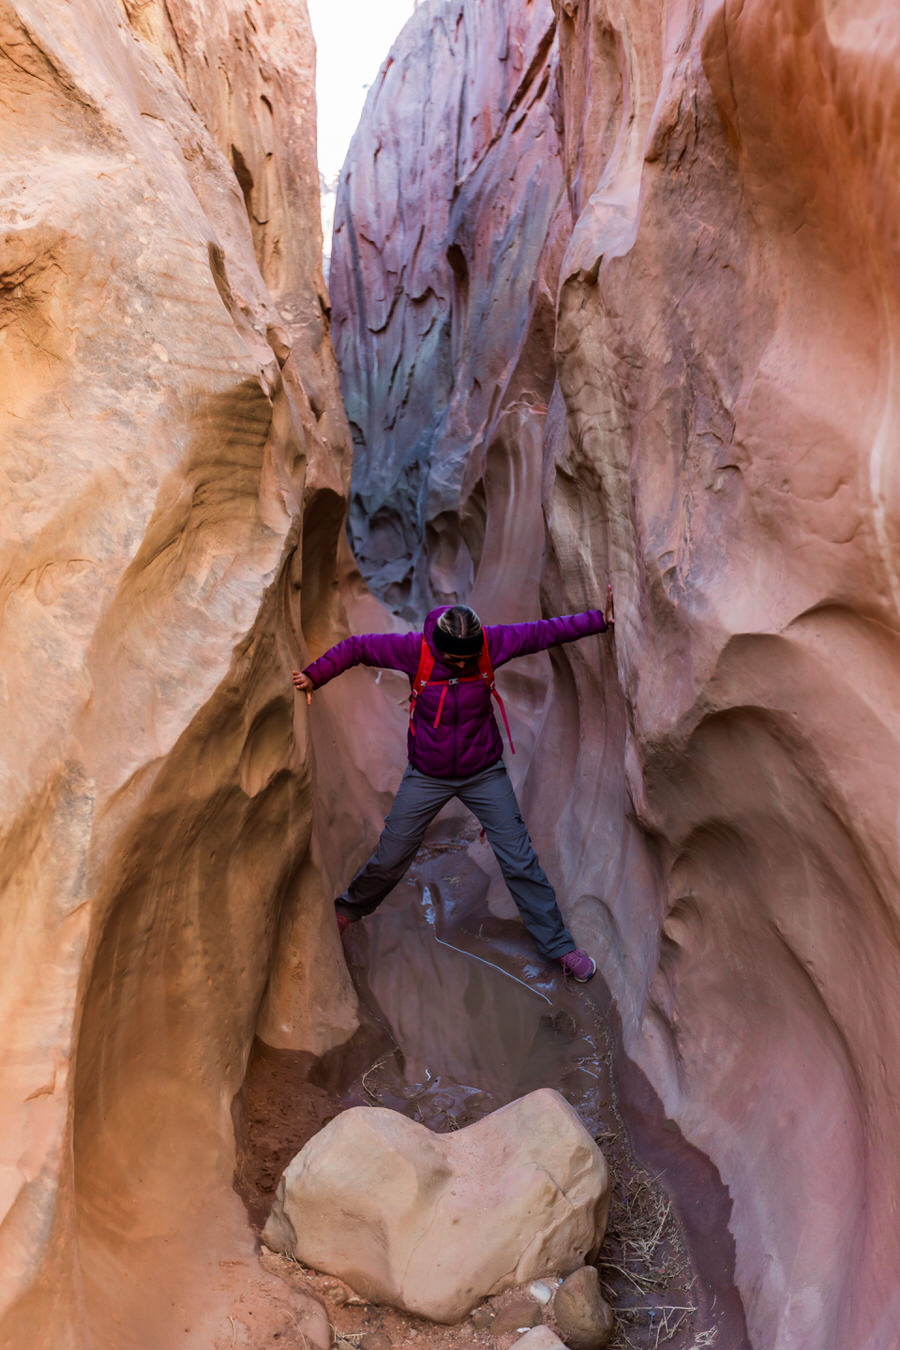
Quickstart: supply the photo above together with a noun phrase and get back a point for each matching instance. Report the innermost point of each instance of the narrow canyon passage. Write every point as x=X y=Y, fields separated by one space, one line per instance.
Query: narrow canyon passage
x=614 y=296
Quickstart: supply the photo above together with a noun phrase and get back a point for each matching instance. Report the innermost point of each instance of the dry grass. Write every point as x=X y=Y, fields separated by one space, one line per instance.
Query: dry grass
x=372 y=1093
x=644 y=1235
x=644 y=1249
x=644 y=1269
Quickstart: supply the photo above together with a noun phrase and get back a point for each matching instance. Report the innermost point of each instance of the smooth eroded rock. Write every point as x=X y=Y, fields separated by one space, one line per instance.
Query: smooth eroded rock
x=435 y=1223
x=174 y=460
x=540 y=1338
x=584 y=1317
x=474 y=228
x=522 y=1312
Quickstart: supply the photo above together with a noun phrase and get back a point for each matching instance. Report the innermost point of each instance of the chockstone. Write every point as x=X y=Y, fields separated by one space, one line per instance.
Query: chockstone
x=434 y=1224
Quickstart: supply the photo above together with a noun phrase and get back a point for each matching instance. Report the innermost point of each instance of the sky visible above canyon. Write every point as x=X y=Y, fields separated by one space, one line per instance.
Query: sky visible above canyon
x=352 y=39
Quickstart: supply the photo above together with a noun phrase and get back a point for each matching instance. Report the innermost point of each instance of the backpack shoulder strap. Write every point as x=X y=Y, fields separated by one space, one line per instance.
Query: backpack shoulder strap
x=486 y=671
x=485 y=665
x=423 y=675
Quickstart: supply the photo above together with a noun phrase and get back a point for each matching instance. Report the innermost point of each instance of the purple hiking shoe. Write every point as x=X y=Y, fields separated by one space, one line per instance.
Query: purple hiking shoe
x=579 y=965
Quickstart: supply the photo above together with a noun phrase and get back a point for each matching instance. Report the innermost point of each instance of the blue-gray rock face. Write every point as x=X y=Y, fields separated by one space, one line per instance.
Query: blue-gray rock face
x=443 y=278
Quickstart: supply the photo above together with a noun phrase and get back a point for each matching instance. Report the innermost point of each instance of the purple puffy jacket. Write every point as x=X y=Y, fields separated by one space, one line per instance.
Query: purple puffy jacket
x=467 y=739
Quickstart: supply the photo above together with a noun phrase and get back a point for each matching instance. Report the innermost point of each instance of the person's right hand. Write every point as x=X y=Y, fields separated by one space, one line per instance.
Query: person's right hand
x=303 y=684
x=609 y=613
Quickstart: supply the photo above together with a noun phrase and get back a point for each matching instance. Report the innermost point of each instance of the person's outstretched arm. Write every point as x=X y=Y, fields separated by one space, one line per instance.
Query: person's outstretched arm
x=508 y=640
x=391 y=651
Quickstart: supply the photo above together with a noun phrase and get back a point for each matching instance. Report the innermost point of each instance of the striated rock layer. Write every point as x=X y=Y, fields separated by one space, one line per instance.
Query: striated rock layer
x=719 y=803
x=175 y=463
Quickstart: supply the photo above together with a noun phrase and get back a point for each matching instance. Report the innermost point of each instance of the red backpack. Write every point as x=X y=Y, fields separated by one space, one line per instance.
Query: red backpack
x=423 y=678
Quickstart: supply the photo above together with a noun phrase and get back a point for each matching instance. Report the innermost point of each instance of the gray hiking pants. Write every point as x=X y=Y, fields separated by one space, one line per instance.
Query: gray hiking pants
x=489 y=796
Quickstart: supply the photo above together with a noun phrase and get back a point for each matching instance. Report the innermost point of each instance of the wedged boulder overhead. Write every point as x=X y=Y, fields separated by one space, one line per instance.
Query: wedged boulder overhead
x=719 y=806
x=172 y=435
x=435 y=1223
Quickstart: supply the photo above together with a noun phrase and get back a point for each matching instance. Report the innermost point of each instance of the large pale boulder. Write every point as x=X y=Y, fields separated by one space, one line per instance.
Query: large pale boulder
x=435 y=1223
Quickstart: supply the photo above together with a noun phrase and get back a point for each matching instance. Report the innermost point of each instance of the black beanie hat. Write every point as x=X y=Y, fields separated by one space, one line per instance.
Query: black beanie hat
x=457 y=646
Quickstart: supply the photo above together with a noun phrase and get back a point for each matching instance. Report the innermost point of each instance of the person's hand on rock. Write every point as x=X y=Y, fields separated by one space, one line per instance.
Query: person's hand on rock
x=303 y=684
x=609 y=613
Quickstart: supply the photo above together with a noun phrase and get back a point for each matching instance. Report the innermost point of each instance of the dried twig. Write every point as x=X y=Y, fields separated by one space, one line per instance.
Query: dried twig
x=351 y=1338
x=379 y=1064
x=613 y=1265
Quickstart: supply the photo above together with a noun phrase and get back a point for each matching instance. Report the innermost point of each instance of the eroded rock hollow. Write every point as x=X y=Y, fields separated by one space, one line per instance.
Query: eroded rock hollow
x=616 y=296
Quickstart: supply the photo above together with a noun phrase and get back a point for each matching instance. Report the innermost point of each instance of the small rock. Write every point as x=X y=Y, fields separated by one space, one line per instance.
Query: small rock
x=541 y=1291
x=375 y=1340
x=584 y=1317
x=482 y=1318
x=539 y=1338
x=519 y=1315
x=336 y=1293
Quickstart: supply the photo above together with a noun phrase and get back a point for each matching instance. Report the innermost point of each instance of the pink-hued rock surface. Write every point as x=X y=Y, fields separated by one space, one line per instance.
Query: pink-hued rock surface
x=639 y=320
x=175 y=464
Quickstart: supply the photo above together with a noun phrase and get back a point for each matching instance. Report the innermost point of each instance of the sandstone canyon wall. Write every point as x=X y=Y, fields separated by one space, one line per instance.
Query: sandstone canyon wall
x=175 y=465
x=616 y=295
x=445 y=288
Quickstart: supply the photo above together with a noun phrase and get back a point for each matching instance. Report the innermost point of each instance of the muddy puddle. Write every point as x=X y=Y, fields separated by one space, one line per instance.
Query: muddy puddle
x=471 y=1025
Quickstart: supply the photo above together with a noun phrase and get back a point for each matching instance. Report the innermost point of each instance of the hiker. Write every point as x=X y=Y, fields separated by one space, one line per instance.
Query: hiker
x=455 y=750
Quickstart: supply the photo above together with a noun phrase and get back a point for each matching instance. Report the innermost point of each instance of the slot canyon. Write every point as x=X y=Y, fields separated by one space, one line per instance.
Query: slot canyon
x=614 y=296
